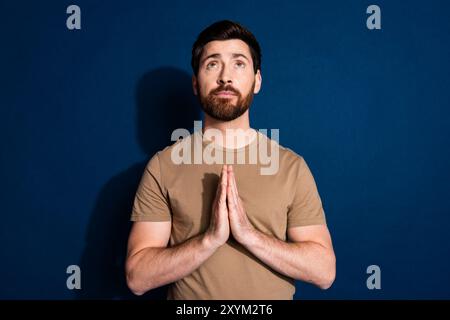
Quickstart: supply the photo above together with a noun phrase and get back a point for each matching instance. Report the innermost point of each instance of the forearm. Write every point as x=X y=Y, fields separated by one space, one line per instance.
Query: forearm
x=307 y=261
x=154 y=267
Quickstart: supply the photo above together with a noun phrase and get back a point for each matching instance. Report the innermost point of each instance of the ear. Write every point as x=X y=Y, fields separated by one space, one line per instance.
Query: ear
x=258 y=82
x=194 y=84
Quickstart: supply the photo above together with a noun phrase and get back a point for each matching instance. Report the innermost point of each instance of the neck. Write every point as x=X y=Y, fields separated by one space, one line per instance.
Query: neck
x=235 y=133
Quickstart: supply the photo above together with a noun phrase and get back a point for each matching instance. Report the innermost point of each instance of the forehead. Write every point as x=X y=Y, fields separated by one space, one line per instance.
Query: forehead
x=226 y=48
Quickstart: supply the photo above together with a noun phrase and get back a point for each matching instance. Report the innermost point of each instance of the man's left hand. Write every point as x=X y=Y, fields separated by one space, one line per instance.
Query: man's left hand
x=240 y=225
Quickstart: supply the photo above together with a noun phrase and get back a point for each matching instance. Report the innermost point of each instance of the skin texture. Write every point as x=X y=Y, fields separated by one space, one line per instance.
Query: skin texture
x=308 y=255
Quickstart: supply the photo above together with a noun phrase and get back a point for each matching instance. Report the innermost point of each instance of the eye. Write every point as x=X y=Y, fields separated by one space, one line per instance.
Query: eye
x=240 y=64
x=211 y=64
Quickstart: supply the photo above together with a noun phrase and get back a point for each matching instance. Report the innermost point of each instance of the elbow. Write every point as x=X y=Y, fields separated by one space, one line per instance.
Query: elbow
x=328 y=276
x=134 y=282
x=327 y=281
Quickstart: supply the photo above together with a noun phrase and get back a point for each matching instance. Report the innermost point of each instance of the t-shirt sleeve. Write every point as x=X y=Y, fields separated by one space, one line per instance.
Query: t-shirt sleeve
x=306 y=207
x=151 y=202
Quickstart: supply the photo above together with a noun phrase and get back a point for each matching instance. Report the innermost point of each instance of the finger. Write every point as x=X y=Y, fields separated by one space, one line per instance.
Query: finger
x=234 y=193
x=232 y=182
x=223 y=183
x=231 y=199
x=223 y=174
x=230 y=196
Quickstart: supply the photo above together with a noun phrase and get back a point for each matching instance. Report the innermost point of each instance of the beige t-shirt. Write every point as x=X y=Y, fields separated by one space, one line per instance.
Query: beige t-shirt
x=184 y=193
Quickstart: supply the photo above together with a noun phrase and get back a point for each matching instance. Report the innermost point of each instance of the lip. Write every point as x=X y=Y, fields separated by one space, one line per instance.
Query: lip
x=225 y=94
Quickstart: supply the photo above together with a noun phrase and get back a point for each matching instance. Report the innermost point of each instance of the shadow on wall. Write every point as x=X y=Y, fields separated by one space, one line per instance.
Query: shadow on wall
x=164 y=102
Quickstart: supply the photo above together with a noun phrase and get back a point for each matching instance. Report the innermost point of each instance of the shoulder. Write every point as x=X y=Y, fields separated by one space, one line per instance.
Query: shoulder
x=287 y=157
x=165 y=156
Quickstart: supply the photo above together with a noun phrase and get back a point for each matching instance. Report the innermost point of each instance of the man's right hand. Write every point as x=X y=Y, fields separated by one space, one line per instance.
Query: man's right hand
x=219 y=226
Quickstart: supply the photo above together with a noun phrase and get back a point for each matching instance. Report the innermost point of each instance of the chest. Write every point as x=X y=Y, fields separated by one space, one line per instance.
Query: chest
x=192 y=192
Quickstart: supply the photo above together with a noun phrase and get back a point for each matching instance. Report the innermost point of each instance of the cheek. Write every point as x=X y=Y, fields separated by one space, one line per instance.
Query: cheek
x=246 y=85
x=205 y=89
x=205 y=84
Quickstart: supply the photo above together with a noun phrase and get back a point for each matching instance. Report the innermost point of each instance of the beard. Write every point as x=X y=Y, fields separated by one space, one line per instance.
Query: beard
x=223 y=109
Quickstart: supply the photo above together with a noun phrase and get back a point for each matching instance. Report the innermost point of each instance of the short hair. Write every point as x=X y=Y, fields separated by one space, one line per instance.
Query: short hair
x=225 y=30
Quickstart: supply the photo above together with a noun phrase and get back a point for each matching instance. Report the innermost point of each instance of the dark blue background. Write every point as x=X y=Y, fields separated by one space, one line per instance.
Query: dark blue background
x=82 y=112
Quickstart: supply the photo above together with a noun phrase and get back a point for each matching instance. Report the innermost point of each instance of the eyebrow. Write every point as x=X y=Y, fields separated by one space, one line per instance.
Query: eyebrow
x=236 y=55
x=218 y=55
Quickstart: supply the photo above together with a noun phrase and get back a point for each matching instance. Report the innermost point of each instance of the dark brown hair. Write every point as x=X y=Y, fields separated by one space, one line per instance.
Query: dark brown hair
x=225 y=30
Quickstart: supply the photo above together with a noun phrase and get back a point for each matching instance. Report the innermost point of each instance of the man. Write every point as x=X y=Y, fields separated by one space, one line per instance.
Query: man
x=224 y=231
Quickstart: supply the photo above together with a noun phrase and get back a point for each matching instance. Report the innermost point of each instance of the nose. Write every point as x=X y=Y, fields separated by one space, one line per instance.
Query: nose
x=224 y=77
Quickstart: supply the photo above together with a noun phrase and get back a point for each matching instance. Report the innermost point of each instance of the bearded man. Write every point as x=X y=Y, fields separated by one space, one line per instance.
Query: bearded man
x=222 y=230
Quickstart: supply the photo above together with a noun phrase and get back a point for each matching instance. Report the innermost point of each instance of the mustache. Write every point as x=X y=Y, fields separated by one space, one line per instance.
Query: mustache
x=225 y=88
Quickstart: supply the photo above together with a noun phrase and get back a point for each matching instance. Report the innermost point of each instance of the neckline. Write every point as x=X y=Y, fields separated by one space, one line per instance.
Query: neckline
x=216 y=146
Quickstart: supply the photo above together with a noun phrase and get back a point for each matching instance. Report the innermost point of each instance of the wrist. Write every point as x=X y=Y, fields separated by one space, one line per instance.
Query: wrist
x=250 y=238
x=208 y=242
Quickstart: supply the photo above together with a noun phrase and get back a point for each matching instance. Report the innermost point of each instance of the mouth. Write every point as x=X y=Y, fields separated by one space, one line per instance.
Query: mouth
x=225 y=94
